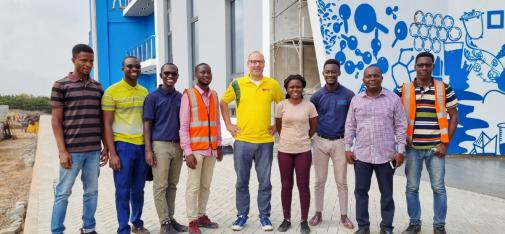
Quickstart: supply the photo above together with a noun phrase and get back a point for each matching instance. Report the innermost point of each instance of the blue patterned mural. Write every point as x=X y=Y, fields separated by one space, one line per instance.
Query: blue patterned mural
x=467 y=42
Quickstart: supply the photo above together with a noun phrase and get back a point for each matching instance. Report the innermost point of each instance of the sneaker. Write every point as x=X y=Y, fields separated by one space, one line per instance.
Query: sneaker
x=140 y=230
x=317 y=219
x=363 y=231
x=239 y=223
x=439 y=230
x=92 y=232
x=304 y=227
x=177 y=226
x=193 y=227
x=266 y=225
x=285 y=225
x=204 y=221
x=412 y=229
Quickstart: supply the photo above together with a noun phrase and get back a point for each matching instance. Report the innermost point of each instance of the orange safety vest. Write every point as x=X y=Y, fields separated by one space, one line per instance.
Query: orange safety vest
x=203 y=122
x=409 y=102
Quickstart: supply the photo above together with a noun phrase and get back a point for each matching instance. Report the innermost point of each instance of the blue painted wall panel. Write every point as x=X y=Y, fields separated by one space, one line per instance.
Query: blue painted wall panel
x=465 y=38
x=116 y=35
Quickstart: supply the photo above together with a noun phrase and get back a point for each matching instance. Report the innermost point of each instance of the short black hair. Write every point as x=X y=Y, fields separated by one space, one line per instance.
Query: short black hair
x=169 y=64
x=425 y=54
x=294 y=77
x=331 y=61
x=199 y=65
x=127 y=57
x=81 y=48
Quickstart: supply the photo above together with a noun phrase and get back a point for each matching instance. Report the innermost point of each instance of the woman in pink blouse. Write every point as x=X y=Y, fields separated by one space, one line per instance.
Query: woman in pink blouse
x=296 y=122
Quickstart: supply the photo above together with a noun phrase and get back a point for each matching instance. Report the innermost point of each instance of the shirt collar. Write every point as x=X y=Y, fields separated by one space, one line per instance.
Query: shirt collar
x=249 y=79
x=382 y=93
x=165 y=92
x=417 y=86
x=202 y=92
x=128 y=86
x=326 y=90
x=75 y=78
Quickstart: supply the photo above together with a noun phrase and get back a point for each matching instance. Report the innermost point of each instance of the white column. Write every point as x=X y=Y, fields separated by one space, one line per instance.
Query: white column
x=160 y=31
x=94 y=40
x=266 y=34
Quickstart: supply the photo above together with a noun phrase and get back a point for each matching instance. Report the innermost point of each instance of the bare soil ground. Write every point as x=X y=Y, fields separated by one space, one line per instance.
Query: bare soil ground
x=15 y=177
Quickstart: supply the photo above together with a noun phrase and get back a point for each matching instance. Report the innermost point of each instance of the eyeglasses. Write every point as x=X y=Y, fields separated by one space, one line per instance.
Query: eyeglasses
x=427 y=65
x=257 y=62
x=167 y=73
x=131 y=66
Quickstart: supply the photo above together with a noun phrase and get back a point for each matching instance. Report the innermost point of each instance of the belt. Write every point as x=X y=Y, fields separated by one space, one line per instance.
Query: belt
x=171 y=141
x=331 y=138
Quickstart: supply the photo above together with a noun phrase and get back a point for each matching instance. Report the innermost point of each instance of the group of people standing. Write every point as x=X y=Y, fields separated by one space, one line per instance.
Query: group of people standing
x=372 y=130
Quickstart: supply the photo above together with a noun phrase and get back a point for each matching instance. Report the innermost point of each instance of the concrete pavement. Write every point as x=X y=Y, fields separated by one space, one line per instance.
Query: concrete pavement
x=468 y=212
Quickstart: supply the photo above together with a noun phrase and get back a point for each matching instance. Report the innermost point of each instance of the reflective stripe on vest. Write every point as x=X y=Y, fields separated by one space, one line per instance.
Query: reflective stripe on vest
x=203 y=121
x=409 y=102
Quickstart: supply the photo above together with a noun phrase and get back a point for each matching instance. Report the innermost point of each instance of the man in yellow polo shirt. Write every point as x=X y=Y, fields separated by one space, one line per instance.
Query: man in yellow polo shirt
x=253 y=94
x=122 y=105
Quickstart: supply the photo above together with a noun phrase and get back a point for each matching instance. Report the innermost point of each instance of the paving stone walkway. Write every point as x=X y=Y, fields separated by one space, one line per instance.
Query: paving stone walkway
x=469 y=212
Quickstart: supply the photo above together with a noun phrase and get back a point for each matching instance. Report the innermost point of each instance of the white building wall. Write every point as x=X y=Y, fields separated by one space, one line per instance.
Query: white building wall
x=214 y=38
x=181 y=42
x=213 y=41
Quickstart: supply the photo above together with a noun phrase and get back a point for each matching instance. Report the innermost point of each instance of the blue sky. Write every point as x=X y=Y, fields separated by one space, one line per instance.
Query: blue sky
x=36 y=42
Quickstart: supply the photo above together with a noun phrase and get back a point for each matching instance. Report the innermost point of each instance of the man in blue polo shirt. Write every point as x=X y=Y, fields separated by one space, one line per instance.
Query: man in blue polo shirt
x=332 y=102
x=162 y=150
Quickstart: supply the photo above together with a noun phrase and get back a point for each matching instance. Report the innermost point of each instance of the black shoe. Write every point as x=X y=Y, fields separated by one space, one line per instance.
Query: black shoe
x=177 y=226
x=285 y=225
x=363 y=231
x=412 y=229
x=92 y=232
x=384 y=231
x=304 y=227
x=166 y=228
x=439 y=230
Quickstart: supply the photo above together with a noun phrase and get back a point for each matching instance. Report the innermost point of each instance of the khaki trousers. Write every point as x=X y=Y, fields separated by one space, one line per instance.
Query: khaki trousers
x=165 y=177
x=322 y=151
x=198 y=186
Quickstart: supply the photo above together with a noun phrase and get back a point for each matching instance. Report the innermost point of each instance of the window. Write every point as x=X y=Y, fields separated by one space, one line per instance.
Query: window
x=237 y=37
x=194 y=35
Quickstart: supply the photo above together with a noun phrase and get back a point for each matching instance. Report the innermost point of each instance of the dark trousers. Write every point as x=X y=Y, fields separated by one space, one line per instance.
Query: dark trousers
x=384 y=173
x=129 y=182
x=289 y=164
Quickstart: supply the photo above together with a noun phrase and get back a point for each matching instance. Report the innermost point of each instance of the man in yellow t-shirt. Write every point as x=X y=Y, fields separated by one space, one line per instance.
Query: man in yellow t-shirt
x=253 y=94
x=122 y=105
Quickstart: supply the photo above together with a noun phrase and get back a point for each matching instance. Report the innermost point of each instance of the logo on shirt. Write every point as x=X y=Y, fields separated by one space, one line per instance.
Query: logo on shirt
x=265 y=89
x=342 y=102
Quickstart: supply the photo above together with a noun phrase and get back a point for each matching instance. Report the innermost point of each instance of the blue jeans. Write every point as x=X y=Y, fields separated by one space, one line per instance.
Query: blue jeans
x=384 y=174
x=88 y=164
x=129 y=182
x=244 y=155
x=436 y=169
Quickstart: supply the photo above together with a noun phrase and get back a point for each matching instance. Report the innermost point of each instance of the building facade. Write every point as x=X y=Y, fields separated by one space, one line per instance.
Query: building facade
x=297 y=36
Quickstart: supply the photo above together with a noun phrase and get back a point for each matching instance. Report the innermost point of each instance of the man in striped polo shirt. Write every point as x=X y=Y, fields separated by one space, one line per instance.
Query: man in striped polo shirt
x=122 y=105
x=77 y=127
x=427 y=102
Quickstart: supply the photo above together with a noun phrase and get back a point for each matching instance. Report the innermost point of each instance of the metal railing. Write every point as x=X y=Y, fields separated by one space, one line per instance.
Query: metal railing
x=121 y=4
x=145 y=50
